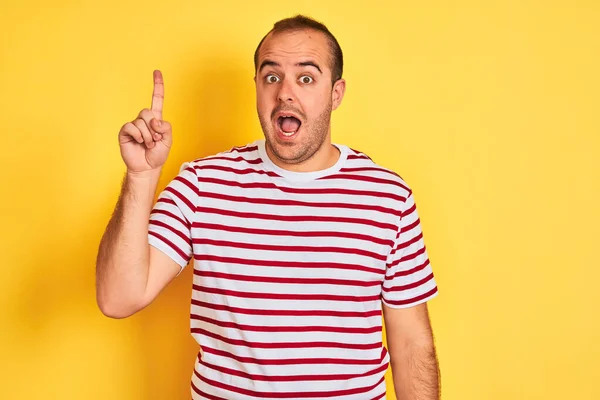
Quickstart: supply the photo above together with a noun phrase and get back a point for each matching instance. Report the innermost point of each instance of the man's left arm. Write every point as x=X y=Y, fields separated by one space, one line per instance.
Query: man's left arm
x=413 y=359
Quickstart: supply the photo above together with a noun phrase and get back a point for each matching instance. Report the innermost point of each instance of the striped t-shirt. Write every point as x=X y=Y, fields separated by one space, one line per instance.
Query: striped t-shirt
x=290 y=272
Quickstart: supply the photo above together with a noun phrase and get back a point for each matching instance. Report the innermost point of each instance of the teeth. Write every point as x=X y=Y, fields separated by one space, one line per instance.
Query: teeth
x=288 y=133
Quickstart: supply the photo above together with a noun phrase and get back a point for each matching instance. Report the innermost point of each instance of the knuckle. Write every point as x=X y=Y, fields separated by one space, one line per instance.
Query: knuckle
x=147 y=116
x=129 y=127
x=139 y=123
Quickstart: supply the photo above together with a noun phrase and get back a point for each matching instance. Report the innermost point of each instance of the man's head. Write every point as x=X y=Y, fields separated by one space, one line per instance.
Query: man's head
x=299 y=83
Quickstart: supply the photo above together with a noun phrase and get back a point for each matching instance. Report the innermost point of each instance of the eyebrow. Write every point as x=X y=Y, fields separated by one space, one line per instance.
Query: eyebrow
x=271 y=63
x=309 y=64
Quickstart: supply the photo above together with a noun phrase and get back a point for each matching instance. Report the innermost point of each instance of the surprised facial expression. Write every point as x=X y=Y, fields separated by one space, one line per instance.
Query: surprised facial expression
x=295 y=95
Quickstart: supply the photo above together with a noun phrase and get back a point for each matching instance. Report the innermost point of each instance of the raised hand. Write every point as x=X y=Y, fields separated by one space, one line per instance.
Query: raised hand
x=145 y=142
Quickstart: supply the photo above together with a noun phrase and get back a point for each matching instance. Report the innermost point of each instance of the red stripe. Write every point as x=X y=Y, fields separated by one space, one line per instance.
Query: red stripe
x=319 y=191
x=411 y=285
x=286 y=345
x=289 y=313
x=278 y=232
x=289 y=264
x=408 y=211
x=182 y=235
x=205 y=395
x=171 y=215
x=376 y=169
x=408 y=257
x=278 y=329
x=296 y=218
x=358 y=156
x=413 y=299
x=407 y=228
x=272 y=247
x=289 y=378
x=407 y=243
x=181 y=254
x=181 y=197
x=243 y=149
x=297 y=203
x=236 y=171
x=409 y=271
x=288 y=280
x=287 y=395
x=285 y=296
x=381 y=396
x=365 y=178
x=290 y=361
x=234 y=159
x=166 y=200
x=233 y=150
x=190 y=185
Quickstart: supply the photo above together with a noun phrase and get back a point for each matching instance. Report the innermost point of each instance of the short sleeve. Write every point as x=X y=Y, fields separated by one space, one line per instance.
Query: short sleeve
x=171 y=219
x=409 y=277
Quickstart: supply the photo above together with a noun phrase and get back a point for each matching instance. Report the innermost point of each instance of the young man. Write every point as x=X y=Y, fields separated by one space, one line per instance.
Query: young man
x=297 y=243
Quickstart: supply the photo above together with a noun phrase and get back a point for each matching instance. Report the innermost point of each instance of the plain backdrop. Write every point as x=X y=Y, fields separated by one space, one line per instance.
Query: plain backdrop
x=488 y=109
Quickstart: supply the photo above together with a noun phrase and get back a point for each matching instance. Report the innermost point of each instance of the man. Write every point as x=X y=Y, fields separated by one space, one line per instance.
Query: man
x=297 y=242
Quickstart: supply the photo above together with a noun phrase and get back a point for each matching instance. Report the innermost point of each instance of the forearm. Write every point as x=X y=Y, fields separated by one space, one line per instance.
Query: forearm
x=415 y=372
x=123 y=257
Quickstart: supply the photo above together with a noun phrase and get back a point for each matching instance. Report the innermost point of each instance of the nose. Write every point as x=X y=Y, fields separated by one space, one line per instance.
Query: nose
x=286 y=91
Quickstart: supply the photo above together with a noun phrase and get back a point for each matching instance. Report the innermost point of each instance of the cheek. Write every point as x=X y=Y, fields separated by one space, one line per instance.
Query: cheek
x=315 y=105
x=264 y=101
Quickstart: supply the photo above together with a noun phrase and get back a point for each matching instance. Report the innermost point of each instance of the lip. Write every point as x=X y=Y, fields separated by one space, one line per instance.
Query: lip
x=287 y=114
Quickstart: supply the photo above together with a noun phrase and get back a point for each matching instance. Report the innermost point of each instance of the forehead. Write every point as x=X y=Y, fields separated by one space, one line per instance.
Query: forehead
x=293 y=46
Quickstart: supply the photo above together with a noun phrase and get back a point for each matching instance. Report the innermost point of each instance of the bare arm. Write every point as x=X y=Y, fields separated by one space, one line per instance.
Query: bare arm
x=129 y=272
x=125 y=259
x=414 y=363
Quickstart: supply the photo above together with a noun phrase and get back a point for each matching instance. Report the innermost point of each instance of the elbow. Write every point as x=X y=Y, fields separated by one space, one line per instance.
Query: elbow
x=115 y=313
x=116 y=309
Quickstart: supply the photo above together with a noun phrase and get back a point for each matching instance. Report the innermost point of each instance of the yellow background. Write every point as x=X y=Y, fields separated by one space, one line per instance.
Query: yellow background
x=489 y=109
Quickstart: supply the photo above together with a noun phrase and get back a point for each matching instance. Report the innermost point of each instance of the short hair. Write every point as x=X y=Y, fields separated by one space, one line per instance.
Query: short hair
x=300 y=22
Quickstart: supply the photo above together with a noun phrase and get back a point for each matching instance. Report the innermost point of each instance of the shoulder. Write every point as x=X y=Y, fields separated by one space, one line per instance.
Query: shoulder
x=362 y=167
x=240 y=154
x=233 y=160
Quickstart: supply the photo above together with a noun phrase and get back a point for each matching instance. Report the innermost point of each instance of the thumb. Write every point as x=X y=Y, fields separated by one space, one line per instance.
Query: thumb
x=160 y=126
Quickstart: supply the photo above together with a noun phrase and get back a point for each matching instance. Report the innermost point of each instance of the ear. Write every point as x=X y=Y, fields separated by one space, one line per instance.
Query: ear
x=337 y=94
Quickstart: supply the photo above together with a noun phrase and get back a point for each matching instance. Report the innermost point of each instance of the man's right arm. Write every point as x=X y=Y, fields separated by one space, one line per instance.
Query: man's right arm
x=129 y=272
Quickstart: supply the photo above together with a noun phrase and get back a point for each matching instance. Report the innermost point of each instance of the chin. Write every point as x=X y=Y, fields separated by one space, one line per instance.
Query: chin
x=286 y=152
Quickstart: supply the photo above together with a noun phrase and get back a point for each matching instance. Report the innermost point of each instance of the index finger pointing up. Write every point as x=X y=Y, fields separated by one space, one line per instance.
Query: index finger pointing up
x=158 y=95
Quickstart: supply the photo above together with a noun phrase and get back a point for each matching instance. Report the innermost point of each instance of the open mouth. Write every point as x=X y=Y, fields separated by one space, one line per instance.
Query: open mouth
x=288 y=125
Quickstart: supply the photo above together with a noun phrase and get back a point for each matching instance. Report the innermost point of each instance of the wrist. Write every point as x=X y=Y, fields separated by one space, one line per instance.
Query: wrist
x=141 y=185
x=151 y=174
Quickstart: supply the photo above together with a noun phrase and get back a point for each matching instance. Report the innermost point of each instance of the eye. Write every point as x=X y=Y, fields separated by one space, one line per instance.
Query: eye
x=306 y=79
x=272 y=78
